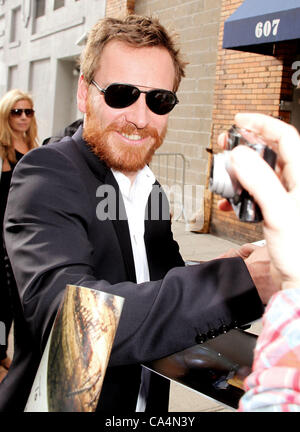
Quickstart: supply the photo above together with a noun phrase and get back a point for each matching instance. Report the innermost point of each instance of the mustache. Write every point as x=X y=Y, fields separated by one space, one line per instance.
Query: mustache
x=123 y=126
x=131 y=129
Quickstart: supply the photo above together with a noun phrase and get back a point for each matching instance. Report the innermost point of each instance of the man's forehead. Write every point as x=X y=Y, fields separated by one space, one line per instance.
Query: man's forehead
x=113 y=49
x=120 y=61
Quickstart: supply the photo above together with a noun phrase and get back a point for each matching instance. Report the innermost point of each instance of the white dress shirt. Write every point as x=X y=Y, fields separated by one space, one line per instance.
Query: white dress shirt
x=135 y=197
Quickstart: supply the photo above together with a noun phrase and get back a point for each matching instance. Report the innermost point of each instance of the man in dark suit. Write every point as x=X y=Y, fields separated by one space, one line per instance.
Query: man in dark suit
x=76 y=215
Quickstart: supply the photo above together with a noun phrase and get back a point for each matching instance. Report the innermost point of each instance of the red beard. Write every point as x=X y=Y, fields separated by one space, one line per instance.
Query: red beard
x=119 y=155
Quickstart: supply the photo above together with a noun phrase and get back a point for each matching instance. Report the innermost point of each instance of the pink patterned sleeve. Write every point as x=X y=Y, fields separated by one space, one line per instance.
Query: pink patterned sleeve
x=274 y=384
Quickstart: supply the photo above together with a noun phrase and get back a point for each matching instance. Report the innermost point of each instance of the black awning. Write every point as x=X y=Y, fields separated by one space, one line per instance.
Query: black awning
x=257 y=24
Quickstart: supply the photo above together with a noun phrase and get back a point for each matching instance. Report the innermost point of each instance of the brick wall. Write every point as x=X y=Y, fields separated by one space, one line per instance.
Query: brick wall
x=116 y=8
x=246 y=82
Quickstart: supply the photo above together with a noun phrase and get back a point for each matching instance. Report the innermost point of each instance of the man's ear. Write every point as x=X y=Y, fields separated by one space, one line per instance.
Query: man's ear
x=82 y=94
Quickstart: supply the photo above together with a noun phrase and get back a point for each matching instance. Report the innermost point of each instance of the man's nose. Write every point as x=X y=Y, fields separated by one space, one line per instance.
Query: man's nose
x=138 y=113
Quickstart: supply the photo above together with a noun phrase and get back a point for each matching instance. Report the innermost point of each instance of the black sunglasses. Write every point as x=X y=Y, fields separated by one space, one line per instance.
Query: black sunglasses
x=123 y=95
x=29 y=112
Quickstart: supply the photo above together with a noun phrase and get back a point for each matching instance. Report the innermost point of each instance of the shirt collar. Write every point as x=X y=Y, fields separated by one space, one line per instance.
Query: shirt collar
x=144 y=179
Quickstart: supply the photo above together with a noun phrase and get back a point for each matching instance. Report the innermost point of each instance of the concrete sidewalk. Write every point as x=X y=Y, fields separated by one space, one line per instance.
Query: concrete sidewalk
x=202 y=247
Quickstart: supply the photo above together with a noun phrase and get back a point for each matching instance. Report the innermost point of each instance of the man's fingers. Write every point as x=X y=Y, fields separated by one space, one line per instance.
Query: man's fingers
x=282 y=137
x=222 y=138
x=258 y=178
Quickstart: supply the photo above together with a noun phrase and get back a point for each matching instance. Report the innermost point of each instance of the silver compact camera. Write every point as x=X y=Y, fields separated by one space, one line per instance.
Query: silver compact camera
x=224 y=183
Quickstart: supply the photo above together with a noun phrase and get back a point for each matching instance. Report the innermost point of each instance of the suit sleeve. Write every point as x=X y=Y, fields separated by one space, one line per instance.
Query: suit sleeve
x=48 y=244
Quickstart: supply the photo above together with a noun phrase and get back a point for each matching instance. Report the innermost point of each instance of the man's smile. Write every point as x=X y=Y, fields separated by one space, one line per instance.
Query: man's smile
x=132 y=137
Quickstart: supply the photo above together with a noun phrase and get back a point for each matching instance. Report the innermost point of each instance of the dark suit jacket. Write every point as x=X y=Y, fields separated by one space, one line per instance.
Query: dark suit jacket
x=54 y=238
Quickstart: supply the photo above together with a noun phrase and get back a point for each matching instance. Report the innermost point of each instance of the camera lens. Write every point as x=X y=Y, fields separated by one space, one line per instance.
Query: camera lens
x=220 y=181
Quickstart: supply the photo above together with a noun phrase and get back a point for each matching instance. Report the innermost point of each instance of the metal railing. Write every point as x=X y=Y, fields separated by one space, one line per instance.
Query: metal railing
x=169 y=169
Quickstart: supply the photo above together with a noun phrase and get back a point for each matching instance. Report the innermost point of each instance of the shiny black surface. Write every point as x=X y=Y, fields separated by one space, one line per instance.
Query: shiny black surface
x=215 y=368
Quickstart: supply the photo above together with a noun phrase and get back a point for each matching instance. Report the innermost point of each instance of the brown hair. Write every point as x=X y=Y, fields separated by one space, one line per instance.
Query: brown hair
x=7 y=150
x=137 y=31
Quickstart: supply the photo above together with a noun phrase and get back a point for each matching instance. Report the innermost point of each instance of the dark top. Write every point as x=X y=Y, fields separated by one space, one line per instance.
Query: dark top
x=4 y=187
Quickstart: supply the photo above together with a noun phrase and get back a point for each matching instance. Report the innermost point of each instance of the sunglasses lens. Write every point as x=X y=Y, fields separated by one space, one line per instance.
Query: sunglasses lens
x=19 y=111
x=121 y=95
x=161 y=101
x=29 y=112
x=16 y=112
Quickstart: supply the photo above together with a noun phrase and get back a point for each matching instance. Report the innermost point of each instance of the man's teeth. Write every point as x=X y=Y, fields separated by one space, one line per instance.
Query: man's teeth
x=132 y=137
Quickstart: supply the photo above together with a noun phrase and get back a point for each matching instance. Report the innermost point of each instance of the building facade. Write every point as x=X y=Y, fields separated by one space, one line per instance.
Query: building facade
x=40 y=41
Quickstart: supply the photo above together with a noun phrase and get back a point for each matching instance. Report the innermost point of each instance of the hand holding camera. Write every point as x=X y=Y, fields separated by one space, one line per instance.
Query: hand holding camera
x=223 y=180
x=276 y=193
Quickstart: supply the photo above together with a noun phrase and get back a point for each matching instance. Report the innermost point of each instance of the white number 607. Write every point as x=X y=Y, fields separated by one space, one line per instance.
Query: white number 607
x=265 y=29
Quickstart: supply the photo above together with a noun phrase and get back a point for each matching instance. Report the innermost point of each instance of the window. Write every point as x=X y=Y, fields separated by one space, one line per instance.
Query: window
x=2 y=25
x=13 y=77
x=15 y=24
x=58 y=4
x=40 y=6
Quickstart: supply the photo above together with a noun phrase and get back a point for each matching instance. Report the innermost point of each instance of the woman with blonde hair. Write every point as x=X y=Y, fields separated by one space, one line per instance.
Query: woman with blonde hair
x=18 y=135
